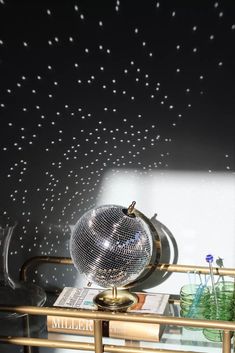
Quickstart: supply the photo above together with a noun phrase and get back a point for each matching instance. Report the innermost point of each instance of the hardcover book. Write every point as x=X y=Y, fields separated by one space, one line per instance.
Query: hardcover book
x=82 y=298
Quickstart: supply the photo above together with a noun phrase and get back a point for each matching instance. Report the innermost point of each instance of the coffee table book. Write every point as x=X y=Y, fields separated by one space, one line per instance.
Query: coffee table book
x=153 y=303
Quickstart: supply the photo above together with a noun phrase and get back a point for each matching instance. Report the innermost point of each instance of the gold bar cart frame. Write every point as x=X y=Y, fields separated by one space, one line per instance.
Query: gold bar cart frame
x=98 y=316
x=221 y=271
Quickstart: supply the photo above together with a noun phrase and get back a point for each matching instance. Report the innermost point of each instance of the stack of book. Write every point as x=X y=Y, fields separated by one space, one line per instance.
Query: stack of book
x=82 y=298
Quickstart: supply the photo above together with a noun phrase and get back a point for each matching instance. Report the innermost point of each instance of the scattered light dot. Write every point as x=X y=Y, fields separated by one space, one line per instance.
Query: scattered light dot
x=48 y=117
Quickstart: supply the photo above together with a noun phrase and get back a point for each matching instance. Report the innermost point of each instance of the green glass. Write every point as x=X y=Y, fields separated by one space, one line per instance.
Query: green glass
x=193 y=304
x=225 y=294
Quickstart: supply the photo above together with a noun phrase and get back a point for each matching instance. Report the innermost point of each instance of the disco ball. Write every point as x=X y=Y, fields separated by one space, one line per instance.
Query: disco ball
x=113 y=246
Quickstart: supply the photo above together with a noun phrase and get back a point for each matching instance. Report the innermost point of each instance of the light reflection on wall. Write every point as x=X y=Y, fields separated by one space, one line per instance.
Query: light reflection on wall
x=197 y=207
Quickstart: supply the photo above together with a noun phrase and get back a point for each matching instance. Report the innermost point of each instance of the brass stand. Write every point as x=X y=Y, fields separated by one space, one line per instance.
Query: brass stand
x=115 y=299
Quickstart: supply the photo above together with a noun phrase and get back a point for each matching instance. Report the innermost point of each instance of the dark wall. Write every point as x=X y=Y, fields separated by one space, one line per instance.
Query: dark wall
x=87 y=86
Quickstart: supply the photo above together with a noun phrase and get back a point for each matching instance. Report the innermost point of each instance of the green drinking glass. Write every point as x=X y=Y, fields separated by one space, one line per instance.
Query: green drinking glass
x=193 y=302
x=220 y=308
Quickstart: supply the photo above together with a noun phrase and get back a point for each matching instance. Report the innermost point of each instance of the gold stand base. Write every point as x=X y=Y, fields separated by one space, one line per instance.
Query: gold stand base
x=115 y=300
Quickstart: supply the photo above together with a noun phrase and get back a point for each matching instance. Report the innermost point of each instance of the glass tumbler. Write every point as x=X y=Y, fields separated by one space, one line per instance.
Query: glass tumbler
x=220 y=308
x=193 y=302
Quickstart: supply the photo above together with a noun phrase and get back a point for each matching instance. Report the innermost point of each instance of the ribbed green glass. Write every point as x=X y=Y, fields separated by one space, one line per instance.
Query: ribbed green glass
x=193 y=302
x=224 y=310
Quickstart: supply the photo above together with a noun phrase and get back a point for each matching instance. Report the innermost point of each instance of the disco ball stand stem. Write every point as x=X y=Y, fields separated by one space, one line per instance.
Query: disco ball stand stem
x=115 y=299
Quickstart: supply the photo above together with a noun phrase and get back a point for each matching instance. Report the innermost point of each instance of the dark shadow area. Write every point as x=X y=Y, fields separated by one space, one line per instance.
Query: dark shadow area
x=169 y=255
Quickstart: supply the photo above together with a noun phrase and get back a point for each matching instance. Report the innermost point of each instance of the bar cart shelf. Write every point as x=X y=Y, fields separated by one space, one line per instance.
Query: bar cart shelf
x=99 y=344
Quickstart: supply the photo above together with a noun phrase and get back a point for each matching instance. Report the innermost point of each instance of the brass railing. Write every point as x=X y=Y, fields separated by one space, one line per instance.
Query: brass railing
x=99 y=316
x=221 y=271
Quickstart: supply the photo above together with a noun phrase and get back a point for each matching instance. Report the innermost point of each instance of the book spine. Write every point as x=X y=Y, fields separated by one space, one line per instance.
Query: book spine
x=74 y=326
x=112 y=329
